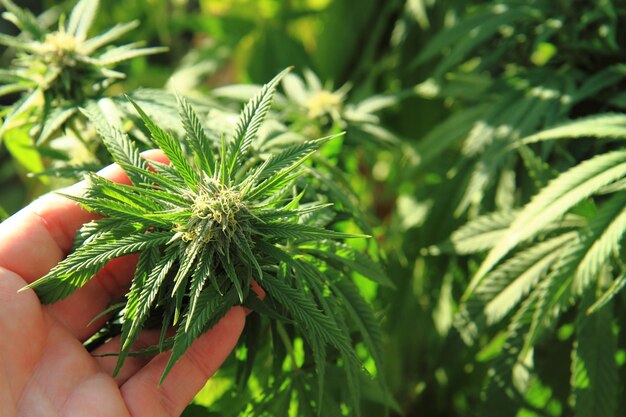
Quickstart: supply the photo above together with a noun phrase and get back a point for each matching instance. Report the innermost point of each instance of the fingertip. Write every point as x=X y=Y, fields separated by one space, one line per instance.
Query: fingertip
x=115 y=173
x=155 y=155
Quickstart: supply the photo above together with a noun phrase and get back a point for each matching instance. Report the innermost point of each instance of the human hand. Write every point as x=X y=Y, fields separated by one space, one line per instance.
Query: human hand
x=44 y=368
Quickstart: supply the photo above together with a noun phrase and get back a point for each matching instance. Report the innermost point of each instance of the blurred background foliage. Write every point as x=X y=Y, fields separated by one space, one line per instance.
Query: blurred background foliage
x=457 y=113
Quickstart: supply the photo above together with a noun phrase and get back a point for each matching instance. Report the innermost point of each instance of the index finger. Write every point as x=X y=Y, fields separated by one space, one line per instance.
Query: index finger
x=40 y=235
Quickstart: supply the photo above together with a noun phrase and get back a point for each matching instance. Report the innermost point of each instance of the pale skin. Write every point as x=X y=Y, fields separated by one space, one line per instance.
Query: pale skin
x=44 y=368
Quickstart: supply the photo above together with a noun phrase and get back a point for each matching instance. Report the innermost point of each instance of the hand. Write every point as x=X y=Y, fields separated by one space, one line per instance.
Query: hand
x=44 y=368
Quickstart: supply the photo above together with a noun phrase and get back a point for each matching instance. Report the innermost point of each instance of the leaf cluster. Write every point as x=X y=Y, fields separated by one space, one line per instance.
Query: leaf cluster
x=57 y=70
x=538 y=165
x=209 y=226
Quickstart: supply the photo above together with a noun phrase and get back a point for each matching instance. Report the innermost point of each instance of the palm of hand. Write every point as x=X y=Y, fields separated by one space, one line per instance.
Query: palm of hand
x=46 y=369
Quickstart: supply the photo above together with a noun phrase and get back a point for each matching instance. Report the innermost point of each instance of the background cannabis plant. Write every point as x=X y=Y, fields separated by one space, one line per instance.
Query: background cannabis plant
x=60 y=69
x=548 y=211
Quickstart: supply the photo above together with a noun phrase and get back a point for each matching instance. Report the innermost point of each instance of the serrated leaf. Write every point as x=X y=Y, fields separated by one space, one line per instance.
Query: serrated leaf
x=213 y=307
x=81 y=18
x=603 y=126
x=57 y=118
x=554 y=201
x=516 y=277
x=127 y=52
x=289 y=158
x=96 y=42
x=361 y=314
x=196 y=137
x=351 y=259
x=301 y=232
x=170 y=147
x=75 y=270
x=594 y=372
x=24 y=19
x=203 y=271
x=607 y=229
x=307 y=314
x=150 y=272
x=607 y=296
x=253 y=115
x=123 y=151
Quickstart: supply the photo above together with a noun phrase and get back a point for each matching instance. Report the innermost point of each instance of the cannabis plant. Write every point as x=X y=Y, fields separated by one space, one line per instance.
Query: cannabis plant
x=208 y=227
x=309 y=107
x=58 y=70
x=500 y=63
x=310 y=103
x=561 y=252
x=548 y=212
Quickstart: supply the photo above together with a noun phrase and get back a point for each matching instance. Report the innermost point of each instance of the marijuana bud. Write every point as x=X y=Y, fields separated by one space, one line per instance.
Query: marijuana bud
x=207 y=226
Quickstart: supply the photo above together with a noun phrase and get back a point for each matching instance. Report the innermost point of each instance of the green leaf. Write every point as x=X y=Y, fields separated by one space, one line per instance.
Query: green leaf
x=289 y=159
x=319 y=356
x=121 y=148
x=307 y=314
x=232 y=275
x=23 y=19
x=203 y=270
x=275 y=214
x=96 y=228
x=170 y=147
x=129 y=213
x=213 y=307
x=245 y=252
x=271 y=185
x=502 y=289
x=199 y=142
x=57 y=118
x=607 y=230
x=81 y=18
x=189 y=255
x=351 y=259
x=301 y=232
x=75 y=270
x=150 y=272
x=450 y=131
x=469 y=34
x=163 y=182
x=361 y=314
x=602 y=79
x=20 y=44
x=19 y=144
x=3 y=214
x=595 y=378
x=479 y=234
x=13 y=88
x=602 y=126
x=607 y=296
x=122 y=193
x=554 y=201
x=252 y=117
x=126 y=52
x=23 y=106
x=117 y=31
